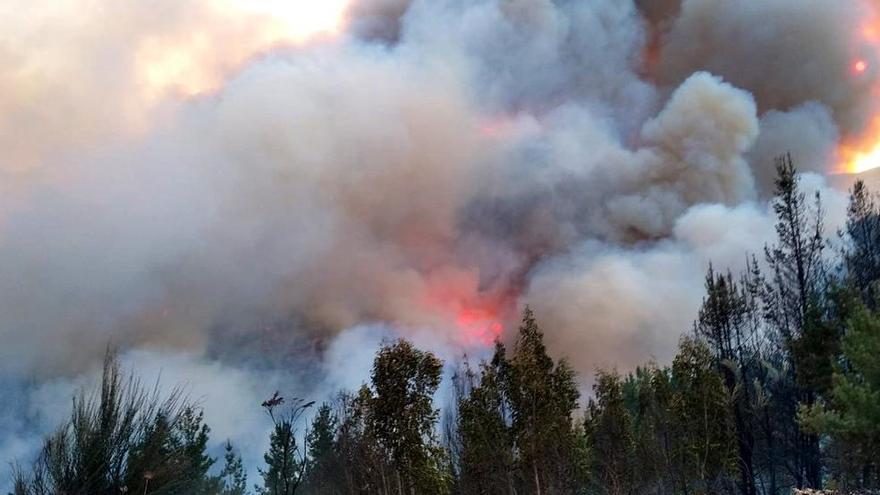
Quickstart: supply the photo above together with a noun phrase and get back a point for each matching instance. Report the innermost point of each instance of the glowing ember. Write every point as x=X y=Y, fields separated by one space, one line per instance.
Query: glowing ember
x=860 y=66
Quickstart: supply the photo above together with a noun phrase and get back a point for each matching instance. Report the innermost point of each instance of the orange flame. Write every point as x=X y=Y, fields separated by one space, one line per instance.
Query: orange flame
x=862 y=152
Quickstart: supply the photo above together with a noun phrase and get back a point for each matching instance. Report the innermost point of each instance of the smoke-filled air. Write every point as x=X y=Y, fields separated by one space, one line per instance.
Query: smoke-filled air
x=243 y=202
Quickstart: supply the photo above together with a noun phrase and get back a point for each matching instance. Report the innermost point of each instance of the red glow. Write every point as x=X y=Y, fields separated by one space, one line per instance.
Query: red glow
x=500 y=126
x=494 y=128
x=475 y=315
x=860 y=66
x=478 y=325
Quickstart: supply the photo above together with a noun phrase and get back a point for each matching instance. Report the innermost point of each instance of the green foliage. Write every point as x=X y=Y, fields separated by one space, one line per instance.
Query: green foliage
x=704 y=427
x=487 y=443
x=362 y=463
x=851 y=414
x=861 y=235
x=543 y=396
x=401 y=417
x=516 y=428
x=662 y=430
x=324 y=463
x=648 y=394
x=286 y=461
x=609 y=428
x=232 y=480
x=795 y=261
x=123 y=439
x=171 y=458
x=794 y=300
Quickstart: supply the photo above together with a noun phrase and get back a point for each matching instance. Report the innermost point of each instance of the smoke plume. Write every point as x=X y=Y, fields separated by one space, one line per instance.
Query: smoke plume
x=249 y=201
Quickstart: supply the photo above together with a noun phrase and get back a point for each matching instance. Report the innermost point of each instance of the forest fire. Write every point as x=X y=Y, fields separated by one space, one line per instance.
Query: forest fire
x=345 y=205
x=861 y=153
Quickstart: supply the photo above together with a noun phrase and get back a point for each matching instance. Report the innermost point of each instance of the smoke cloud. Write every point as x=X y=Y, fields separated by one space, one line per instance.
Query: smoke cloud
x=251 y=205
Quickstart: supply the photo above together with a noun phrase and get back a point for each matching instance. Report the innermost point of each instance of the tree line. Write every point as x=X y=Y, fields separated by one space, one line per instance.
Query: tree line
x=776 y=386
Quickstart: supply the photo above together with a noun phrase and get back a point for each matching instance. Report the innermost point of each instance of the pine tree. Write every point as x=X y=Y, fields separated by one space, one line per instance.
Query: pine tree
x=851 y=415
x=795 y=261
x=793 y=300
x=648 y=397
x=723 y=321
x=232 y=480
x=323 y=458
x=191 y=438
x=704 y=427
x=543 y=396
x=150 y=461
x=861 y=235
x=285 y=461
x=487 y=463
x=609 y=432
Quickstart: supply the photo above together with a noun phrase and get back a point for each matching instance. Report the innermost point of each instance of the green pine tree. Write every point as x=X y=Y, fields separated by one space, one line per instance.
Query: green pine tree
x=705 y=446
x=487 y=462
x=609 y=431
x=851 y=414
x=323 y=458
x=543 y=396
x=232 y=480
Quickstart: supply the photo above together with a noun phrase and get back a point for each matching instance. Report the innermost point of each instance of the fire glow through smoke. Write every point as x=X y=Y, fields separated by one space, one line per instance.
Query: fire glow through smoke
x=478 y=325
x=862 y=153
x=477 y=318
x=189 y=65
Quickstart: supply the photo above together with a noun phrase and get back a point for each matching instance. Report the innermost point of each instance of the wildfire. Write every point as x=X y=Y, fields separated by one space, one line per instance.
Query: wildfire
x=198 y=60
x=860 y=153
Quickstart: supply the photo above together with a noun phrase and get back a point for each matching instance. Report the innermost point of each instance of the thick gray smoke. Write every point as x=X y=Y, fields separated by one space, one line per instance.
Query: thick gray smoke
x=247 y=215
